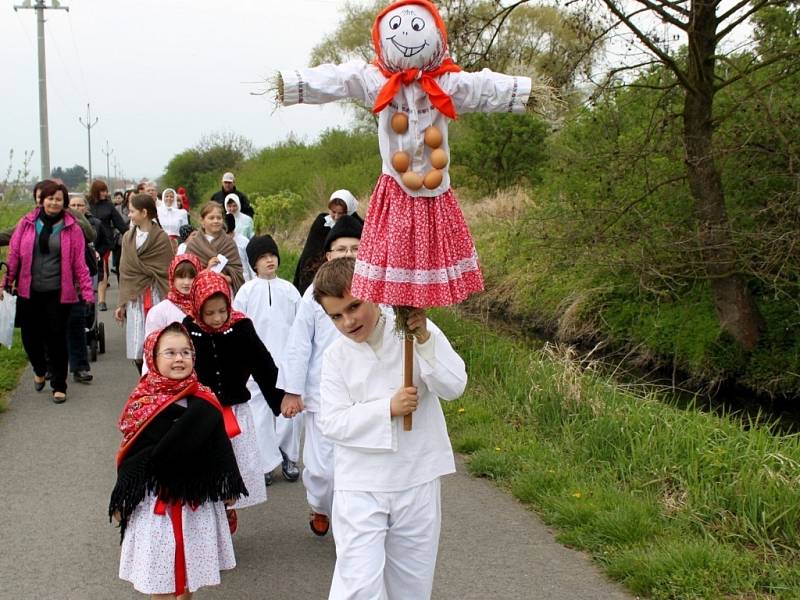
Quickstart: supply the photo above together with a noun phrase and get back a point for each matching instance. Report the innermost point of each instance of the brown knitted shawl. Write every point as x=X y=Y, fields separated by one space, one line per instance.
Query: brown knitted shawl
x=146 y=267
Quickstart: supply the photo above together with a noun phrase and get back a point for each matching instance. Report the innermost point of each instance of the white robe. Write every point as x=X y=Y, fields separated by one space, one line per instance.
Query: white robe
x=172 y=218
x=271 y=305
x=241 y=246
x=387 y=499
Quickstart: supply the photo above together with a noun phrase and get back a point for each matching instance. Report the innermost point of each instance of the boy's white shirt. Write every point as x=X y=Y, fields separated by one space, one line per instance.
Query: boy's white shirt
x=373 y=453
x=311 y=334
x=271 y=304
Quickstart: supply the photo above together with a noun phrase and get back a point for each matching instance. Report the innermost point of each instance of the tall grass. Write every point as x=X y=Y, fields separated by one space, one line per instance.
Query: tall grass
x=675 y=503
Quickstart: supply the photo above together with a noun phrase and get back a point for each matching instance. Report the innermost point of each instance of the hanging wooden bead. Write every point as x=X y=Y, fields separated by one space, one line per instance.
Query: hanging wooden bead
x=433 y=179
x=439 y=159
x=433 y=137
x=401 y=161
x=399 y=122
x=411 y=180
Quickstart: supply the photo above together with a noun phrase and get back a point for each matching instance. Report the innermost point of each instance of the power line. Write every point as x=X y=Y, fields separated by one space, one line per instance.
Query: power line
x=89 y=124
x=44 y=138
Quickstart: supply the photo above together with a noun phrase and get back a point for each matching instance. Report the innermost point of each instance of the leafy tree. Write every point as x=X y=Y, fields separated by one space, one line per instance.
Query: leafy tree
x=73 y=178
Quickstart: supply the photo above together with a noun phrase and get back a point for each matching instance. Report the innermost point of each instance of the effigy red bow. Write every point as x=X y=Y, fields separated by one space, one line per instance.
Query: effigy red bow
x=427 y=81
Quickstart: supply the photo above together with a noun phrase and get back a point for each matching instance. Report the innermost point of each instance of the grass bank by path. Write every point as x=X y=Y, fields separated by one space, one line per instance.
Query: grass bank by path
x=674 y=503
x=12 y=360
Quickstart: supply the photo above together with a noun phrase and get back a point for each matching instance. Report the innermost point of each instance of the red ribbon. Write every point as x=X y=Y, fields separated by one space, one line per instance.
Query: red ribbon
x=148 y=301
x=176 y=517
x=231 y=424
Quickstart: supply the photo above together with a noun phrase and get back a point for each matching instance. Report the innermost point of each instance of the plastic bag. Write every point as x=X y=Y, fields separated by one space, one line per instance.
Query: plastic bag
x=8 y=310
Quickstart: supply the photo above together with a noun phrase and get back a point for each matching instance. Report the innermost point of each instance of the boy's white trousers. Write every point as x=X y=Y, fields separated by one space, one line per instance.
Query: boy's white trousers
x=317 y=466
x=288 y=432
x=386 y=543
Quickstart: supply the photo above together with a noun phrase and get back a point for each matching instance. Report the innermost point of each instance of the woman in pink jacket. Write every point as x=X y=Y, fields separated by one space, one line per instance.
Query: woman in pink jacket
x=46 y=264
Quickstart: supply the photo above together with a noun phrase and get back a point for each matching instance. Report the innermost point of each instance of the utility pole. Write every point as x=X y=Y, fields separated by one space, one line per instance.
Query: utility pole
x=44 y=141
x=108 y=152
x=89 y=124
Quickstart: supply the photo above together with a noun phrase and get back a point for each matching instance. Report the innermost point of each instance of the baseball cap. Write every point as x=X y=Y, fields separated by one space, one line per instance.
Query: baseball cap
x=228 y=177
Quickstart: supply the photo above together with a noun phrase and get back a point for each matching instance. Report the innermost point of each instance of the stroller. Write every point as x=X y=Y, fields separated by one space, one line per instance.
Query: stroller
x=95 y=329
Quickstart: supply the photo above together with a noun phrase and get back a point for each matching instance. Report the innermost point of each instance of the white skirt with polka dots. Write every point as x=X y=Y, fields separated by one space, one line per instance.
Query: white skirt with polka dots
x=147 y=558
x=248 y=457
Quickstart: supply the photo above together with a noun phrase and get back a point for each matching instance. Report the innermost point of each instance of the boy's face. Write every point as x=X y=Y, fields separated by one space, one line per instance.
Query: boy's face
x=215 y=312
x=267 y=265
x=353 y=318
x=344 y=246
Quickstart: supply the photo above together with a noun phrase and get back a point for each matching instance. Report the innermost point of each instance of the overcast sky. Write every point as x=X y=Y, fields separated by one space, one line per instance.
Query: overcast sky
x=158 y=74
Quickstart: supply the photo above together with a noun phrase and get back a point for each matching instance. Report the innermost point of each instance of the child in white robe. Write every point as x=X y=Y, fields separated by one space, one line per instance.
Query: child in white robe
x=311 y=334
x=271 y=303
x=387 y=499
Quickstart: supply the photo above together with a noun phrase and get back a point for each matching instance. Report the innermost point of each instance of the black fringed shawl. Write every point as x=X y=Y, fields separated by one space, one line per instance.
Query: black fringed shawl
x=182 y=454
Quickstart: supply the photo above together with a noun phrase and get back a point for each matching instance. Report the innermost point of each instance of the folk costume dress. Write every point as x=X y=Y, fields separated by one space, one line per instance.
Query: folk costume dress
x=205 y=247
x=225 y=358
x=272 y=305
x=143 y=282
x=175 y=468
x=416 y=249
x=172 y=217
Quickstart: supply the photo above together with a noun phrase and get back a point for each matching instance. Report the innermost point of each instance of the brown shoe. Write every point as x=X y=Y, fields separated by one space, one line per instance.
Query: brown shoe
x=319 y=523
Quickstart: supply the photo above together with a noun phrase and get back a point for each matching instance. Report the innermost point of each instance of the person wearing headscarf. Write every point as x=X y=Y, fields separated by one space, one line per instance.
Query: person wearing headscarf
x=341 y=202
x=244 y=223
x=178 y=303
x=271 y=302
x=47 y=265
x=146 y=256
x=229 y=351
x=176 y=470
x=231 y=228
x=211 y=242
x=184 y=198
x=170 y=214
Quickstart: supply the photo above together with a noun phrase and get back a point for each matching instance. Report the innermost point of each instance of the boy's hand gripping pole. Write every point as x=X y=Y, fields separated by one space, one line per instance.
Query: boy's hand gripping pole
x=408 y=373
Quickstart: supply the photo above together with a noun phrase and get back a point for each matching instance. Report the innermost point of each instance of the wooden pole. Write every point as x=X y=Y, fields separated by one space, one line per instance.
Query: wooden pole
x=408 y=374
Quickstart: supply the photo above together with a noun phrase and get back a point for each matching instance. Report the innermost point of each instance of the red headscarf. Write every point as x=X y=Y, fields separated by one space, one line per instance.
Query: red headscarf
x=182 y=301
x=207 y=284
x=155 y=392
x=427 y=79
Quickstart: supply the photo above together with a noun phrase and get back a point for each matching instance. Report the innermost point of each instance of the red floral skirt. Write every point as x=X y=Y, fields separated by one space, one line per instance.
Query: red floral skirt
x=415 y=251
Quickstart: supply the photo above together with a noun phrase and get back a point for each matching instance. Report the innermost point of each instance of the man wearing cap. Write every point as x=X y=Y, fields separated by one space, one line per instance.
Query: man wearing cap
x=229 y=187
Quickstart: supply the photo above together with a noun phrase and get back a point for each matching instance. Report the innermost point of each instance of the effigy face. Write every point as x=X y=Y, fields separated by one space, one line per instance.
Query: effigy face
x=410 y=39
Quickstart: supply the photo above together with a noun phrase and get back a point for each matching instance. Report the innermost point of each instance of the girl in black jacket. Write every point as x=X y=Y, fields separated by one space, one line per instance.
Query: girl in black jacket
x=229 y=351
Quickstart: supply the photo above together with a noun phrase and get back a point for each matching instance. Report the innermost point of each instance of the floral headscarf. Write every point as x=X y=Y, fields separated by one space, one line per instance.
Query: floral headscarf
x=182 y=301
x=154 y=392
x=207 y=284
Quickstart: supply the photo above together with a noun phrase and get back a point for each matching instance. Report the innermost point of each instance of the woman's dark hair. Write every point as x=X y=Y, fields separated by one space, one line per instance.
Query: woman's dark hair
x=146 y=203
x=126 y=199
x=185 y=269
x=119 y=193
x=98 y=186
x=49 y=187
x=37 y=187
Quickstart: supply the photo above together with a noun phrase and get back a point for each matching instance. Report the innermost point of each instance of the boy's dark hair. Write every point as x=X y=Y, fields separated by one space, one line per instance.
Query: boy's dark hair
x=334 y=278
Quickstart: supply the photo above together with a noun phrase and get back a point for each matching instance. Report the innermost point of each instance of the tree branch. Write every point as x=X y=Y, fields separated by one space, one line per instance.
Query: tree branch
x=751 y=70
x=659 y=10
x=734 y=24
x=663 y=56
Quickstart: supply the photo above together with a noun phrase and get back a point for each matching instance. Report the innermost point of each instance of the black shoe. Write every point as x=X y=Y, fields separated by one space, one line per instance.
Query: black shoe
x=82 y=376
x=38 y=385
x=59 y=397
x=102 y=307
x=268 y=479
x=289 y=468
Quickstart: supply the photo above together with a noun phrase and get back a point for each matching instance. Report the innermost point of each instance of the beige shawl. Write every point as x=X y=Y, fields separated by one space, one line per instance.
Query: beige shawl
x=146 y=267
x=223 y=244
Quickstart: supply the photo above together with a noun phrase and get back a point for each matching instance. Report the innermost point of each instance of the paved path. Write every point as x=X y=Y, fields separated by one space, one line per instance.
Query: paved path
x=57 y=470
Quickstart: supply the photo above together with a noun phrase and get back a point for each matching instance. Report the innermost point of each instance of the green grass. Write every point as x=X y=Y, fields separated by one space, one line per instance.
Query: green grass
x=674 y=503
